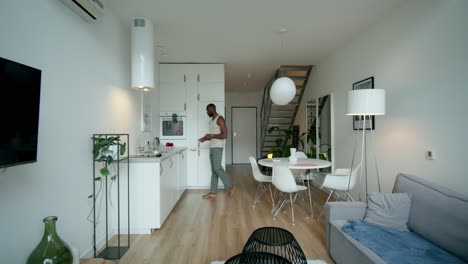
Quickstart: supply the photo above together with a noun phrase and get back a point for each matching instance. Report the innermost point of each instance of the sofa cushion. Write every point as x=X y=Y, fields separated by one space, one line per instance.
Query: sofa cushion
x=396 y=246
x=389 y=210
x=437 y=213
x=346 y=250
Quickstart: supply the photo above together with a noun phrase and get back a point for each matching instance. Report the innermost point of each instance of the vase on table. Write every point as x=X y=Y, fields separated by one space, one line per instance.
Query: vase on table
x=51 y=249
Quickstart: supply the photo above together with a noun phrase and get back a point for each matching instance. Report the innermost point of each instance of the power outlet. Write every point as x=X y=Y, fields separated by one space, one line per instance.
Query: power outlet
x=429 y=154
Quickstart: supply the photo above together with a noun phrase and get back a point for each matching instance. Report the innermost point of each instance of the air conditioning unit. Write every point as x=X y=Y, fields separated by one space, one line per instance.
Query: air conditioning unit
x=89 y=10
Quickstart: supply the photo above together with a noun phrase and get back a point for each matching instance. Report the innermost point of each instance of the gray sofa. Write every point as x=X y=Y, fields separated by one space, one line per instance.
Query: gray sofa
x=437 y=214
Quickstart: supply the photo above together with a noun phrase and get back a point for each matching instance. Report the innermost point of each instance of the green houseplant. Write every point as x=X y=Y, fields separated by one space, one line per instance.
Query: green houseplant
x=311 y=137
x=104 y=150
x=281 y=149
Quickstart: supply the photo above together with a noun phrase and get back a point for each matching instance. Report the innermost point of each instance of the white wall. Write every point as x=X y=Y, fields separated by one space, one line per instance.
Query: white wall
x=419 y=55
x=85 y=79
x=241 y=98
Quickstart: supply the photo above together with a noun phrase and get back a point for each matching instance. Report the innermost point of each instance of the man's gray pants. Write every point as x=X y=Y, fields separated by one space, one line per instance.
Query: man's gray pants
x=217 y=171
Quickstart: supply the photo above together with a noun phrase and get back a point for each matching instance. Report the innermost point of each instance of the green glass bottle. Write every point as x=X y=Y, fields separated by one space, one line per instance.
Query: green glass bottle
x=51 y=249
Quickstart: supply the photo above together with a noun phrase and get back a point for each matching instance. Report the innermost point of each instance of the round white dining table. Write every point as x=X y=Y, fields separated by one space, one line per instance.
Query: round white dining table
x=300 y=164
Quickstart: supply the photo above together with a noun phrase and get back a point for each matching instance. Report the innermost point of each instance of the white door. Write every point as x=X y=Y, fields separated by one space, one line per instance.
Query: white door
x=244 y=134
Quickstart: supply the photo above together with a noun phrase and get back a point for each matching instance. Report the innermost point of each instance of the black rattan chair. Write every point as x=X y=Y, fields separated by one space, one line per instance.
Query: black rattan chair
x=276 y=241
x=257 y=258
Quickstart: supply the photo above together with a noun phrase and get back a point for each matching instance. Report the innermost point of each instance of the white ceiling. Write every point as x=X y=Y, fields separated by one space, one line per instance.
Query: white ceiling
x=245 y=34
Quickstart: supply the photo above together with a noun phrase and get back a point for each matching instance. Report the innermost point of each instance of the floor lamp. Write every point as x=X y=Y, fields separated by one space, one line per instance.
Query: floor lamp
x=364 y=104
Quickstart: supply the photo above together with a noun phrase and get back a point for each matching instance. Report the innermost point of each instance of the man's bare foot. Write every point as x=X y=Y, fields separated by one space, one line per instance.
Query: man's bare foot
x=209 y=196
x=231 y=191
x=205 y=195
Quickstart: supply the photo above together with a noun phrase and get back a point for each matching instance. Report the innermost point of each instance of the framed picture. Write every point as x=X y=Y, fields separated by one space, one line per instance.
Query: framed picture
x=358 y=122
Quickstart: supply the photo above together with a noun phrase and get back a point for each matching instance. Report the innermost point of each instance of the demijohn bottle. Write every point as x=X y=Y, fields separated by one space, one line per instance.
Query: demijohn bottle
x=51 y=249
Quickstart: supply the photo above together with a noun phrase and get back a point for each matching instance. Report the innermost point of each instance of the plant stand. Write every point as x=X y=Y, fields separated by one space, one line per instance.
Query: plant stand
x=116 y=250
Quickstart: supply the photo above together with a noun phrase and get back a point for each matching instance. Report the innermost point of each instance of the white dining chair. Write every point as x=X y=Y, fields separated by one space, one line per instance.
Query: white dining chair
x=284 y=181
x=301 y=174
x=342 y=180
x=264 y=182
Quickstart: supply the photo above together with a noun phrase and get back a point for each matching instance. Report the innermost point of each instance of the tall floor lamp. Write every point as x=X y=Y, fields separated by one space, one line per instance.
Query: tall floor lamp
x=366 y=103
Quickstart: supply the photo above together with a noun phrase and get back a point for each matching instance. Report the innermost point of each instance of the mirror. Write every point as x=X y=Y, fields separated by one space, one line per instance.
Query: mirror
x=318 y=138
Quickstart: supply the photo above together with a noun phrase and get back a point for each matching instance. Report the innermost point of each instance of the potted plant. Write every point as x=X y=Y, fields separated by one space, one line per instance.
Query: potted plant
x=105 y=150
x=281 y=149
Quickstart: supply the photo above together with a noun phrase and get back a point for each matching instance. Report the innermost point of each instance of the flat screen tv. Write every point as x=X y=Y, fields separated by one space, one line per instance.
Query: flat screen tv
x=20 y=89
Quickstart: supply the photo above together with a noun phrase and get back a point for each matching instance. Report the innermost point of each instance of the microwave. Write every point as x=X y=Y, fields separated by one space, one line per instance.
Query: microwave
x=172 y=125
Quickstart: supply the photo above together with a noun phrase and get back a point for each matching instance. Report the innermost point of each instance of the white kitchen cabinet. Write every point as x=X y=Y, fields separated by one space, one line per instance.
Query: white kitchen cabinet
x=204 y=84
x=210 y=73
x=172 y=73
x=168 y=181
x=155 y=188
x=211 y=92
x=181 y=173
x=172 y=97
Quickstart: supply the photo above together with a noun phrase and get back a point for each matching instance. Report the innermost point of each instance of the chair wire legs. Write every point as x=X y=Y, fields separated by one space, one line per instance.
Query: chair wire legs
x=261 y=189
x=329 y=196
x=328 y=199
x=282 y=200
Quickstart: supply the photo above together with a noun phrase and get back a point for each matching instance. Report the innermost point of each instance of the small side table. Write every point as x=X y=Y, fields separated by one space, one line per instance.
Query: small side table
x=277 y=241
x=257 y=258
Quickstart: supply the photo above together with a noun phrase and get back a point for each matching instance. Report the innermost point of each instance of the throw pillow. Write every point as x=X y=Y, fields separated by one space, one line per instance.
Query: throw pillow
x=389 y=210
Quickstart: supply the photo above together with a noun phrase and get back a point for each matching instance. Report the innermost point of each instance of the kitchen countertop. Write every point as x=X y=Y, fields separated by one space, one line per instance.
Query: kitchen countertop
x=166 y=153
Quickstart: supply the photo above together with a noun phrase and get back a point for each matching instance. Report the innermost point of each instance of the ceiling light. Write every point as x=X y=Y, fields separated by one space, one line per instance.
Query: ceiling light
x=283 y=91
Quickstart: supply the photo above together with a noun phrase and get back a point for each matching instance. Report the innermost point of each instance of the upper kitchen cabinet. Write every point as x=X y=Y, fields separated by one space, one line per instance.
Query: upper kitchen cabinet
x=208 y=73
x=172 y=97
x=210 y=92
x=170 y=73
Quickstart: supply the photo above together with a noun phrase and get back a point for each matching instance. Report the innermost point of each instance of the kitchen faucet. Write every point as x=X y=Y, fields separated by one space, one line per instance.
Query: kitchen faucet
x=156 y=143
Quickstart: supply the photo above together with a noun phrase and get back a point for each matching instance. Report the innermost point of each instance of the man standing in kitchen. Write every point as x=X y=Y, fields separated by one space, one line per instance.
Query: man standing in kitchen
x=217 y=134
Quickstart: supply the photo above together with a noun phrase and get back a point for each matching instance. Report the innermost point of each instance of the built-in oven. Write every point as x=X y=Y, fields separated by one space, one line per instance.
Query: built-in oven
x=172 y=125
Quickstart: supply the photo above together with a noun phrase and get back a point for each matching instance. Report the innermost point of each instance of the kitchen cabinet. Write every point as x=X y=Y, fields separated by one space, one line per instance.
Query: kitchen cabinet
x=155 y=189
x=181 y=173
x=173 y=97
x=210 y=92
x=204 y=84
x=170 y=73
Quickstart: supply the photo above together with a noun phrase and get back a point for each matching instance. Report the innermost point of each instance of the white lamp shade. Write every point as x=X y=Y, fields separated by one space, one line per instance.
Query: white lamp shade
x=282 y=91
x=142 y=54
x=366 y=102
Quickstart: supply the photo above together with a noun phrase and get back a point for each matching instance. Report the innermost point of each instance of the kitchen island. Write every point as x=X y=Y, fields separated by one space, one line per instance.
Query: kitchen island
x=156 y=184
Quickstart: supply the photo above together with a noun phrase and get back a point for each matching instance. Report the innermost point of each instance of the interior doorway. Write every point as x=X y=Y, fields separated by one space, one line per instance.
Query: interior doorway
x=244 y=133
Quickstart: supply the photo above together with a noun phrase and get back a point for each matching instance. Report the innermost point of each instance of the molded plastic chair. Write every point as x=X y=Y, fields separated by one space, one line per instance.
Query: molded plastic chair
x=302 y=176
x=262 y=180
x=301 y=155
x=342 y=180
x=284 y=181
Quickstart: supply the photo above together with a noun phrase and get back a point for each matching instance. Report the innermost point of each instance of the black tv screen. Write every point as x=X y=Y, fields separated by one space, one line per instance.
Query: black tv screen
x=20 y=89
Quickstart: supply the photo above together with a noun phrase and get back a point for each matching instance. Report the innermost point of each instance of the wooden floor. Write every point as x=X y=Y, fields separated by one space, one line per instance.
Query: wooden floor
x=201 y=231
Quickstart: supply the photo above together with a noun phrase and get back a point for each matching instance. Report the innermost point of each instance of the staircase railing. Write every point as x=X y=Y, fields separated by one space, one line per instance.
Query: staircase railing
x=265 y=111
x=267 y=120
